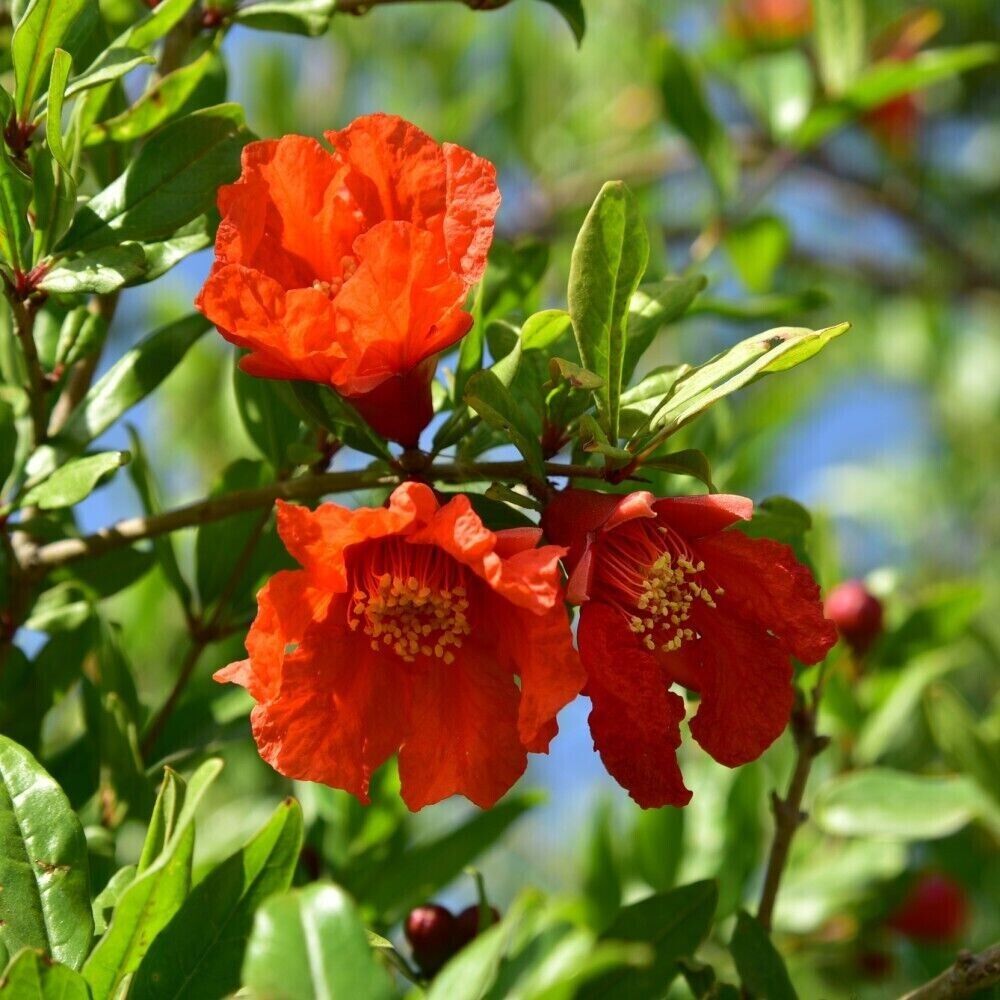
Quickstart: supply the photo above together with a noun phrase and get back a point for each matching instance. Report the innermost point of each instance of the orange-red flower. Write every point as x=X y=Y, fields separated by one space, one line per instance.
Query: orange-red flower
x=670 y=597
x=410 y=628
x=770 y=20
x=351 y=267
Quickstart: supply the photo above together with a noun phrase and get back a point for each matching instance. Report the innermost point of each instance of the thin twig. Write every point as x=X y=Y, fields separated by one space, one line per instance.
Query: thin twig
x=788 y=814
x=969 y=974
x=134 y=529
x=24 y=326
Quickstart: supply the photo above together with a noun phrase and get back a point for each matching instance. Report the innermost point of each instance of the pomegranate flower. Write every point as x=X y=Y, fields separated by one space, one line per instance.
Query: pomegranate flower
x=404 y=631
x=670 y=597
x=351 y=267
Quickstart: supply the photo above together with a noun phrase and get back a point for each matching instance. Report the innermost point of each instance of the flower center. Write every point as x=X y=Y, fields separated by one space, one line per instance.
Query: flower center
x=650 y=574
x=411 y=600
x=331 y=288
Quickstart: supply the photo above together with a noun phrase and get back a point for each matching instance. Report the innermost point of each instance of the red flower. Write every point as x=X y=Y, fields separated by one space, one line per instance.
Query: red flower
x=935 y=910
x=404 y=631
x=770 y=20
x=351 y=268
x=669 y=597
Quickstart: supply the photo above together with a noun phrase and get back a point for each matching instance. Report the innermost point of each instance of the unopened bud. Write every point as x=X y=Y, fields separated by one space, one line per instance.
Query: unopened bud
x=857 y=613
x=431 y=931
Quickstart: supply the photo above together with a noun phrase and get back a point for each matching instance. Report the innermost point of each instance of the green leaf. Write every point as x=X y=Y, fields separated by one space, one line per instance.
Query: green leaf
x=652 y=307
x=955 y=731
x=200 y=952
x=840 y=43
x=322 y=406
x=391 y=890
x=889 y=79
x=687 y=108
x=688 y=462
x=162 y=255
x=31 y=976
x=756 y=249
x=499 y=408
x=572 y=11
x=38 y=34
x=101 y=271
x=158 y=892
x=8 y=439
x=577 y=377
x=657 y=846
x=880 y=802
x=62 y=64
x=74 y=481
x=15 y=197
x=132 y=377
x=107 y=899
x=309 y=944
x=266 y=417
x=778 y=86
x=45 y=902
x=699 y=388
x=110 y=65
x=674 y=923
x=156 y=106
x=608 y=261
x=172 y=180
x=151 y=28
x=297 y=17
x=762 y=970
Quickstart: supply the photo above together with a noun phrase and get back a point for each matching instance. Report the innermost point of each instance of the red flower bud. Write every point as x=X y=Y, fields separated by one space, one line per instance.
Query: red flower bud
x=875 y=964
x=467 y=924
x=857 y=613
x=431 y=931
x=935 y=910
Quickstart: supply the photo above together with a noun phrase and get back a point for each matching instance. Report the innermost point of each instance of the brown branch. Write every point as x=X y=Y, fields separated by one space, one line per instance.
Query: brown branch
x=67 y=550
x=788 y=814
x=970 y=974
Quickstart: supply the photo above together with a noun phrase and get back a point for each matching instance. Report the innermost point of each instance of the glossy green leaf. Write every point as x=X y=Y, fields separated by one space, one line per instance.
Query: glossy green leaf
x=107 y=899
x=311 y=945
x=31 y=976
x=956 y=733
x=652 y=307
x=110 y=65
x=132 y=377
x=574 y=15
x=74 y=481
x=172 y=180
x=101 y=271
x=416 y=875
x=840 y=43
x=673 y=923
x=268 y=420
x=162 y=255
x=200 y=952
x=688 y=462
x=159 y=891
x=499 y=408
x=761 y=968
x=297 y=17
x=321 y=405
x=688 y=110
x=608 y=261
x=756 y=249
x=602 y=884
x=45 y=902
x=156 y=106
x=880 y=802
x=151 y=28
x=15 y=197
x=39 y=33
x=62 y=64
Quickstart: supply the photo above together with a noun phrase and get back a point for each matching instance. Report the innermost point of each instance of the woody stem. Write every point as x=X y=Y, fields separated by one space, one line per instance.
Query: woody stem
x=36 y=559
x=968 y=975
x=788 y=813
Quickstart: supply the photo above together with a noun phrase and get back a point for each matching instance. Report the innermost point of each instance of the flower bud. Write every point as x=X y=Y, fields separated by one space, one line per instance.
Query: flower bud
x=935 y=910
x=467 y=924
x=431 y=931
x=857 y=613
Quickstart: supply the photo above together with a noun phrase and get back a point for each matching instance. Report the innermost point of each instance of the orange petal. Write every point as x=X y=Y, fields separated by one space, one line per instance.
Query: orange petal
x=473 y=200
x=463 y=736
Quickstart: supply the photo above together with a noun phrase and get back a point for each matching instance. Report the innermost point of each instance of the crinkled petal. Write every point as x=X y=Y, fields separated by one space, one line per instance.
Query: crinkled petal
x=635 y=720
x=539 y=648
x=705 y=514
x=473 y=200
x=318 y=538
x=340 y=713
x=402 y=305
x=463 y=737
x=773 y=588
x=744 y=677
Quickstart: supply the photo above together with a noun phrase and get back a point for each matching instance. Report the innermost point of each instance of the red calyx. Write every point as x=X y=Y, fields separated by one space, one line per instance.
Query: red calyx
x=935 y=910
x=857 y=613
x=467 y=924
x=432 y=932
x=211 y=18
x=17 y=135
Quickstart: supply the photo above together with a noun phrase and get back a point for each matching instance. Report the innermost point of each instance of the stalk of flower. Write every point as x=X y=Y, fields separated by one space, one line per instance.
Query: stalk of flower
x=670 y=596
x=404 y=631
x=351 y=267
